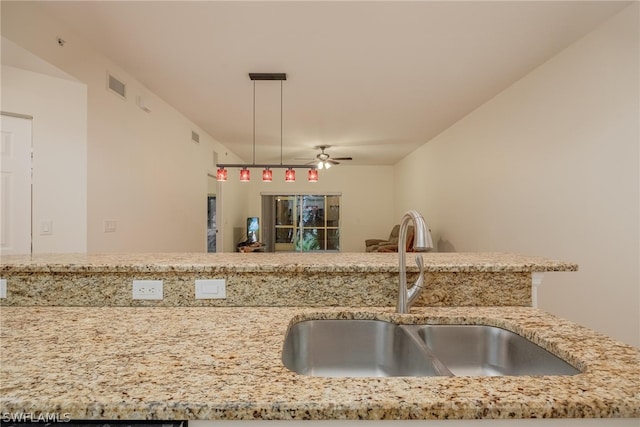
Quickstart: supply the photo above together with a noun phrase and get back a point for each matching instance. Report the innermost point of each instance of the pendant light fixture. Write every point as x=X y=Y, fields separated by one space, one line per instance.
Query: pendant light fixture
x=245 y=175
x=290 y=175
x=267 y=173
x=221 y=174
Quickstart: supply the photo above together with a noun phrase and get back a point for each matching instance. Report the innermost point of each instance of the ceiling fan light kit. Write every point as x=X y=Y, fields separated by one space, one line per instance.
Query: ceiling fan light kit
x=324 y=160
x=267 y=173
x=323 y=164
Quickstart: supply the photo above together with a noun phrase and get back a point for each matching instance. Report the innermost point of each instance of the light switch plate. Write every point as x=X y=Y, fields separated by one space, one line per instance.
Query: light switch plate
x=147 y=289
x=211 y=289
x=3 y=288
x=46 y=227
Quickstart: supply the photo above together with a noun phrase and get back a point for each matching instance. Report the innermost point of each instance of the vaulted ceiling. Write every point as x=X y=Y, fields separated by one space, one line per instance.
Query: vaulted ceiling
x=374 y=80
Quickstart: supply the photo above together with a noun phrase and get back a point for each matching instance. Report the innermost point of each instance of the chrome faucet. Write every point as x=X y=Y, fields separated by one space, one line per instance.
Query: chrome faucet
x=421 y=242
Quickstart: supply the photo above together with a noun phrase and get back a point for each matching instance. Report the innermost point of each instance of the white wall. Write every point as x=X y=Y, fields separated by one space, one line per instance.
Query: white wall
x=366 y=210
x=143 y=170
x=59 y=134
x=550 y=167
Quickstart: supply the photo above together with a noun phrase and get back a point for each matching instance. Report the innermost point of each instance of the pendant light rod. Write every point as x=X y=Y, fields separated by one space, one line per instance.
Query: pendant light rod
x=254 y=123
x=280 y=121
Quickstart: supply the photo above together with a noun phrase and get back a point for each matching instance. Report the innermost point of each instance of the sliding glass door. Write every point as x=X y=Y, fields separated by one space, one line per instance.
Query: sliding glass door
x=304 y=223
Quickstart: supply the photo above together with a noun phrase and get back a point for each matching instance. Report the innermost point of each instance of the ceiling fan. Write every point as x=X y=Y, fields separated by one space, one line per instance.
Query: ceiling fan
x=324 y=160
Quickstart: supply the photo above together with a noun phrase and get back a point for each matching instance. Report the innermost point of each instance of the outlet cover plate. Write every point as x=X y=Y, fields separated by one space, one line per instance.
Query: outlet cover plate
x=147 y=289
x=110 y=225
x=211 y=289
x=3 y=288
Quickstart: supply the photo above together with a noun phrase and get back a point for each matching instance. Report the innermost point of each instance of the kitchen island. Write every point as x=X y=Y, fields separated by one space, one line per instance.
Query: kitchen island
x=75 y=344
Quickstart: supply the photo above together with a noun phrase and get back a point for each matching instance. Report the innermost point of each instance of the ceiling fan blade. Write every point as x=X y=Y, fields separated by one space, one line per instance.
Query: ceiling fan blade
x=332 y=161
x=342 y=158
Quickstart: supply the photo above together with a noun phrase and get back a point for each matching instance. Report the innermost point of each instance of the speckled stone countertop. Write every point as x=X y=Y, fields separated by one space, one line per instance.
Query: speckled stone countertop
x=224 y=363
x=282 y=262
x=268 y=279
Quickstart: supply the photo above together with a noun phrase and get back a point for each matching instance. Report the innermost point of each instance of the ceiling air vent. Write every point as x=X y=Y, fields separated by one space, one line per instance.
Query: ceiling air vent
x=195 y=137
x=116 y=86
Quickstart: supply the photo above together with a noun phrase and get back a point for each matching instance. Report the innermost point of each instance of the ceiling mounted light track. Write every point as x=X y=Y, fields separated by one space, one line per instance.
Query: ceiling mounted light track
x=267 y=173
x=268 y=76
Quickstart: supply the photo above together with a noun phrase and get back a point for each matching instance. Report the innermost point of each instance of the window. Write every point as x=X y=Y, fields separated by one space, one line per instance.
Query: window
x=303 y=222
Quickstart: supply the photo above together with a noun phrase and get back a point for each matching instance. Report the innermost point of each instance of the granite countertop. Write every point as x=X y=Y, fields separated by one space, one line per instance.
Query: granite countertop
x=271 y=279
x=224 y=363
x=279 y=262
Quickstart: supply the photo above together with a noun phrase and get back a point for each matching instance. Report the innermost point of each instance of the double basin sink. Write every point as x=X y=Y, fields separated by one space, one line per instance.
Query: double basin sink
x=375 y=348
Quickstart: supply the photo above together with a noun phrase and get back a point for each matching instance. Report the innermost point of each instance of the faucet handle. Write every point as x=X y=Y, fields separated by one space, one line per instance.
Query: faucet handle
x=416 y=289
x=420 y=263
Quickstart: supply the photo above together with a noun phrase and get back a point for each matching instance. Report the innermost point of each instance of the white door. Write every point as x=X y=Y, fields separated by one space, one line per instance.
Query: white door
x=15 y=185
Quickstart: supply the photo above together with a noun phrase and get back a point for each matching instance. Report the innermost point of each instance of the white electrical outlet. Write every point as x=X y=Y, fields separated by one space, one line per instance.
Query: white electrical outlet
x=3 y=288
x=147 y=289
x=110 y=225
x=211 y=289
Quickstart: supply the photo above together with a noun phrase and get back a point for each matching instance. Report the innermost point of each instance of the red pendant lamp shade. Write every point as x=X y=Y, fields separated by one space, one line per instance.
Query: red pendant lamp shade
x=290 y=175
x=221 y=174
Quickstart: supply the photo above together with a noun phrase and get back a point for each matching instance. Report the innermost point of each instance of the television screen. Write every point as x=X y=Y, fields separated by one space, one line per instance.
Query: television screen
x=253 y=229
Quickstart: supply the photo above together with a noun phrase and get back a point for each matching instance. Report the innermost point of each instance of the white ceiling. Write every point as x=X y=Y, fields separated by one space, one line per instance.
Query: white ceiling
x=374 y=80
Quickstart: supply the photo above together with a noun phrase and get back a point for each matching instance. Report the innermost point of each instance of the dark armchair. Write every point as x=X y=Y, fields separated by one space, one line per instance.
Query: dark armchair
x=391 y=243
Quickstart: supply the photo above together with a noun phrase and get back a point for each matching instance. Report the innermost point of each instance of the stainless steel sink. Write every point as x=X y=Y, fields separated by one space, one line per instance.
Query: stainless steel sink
x=374 y=348
x=356 y=348
x=478 y=350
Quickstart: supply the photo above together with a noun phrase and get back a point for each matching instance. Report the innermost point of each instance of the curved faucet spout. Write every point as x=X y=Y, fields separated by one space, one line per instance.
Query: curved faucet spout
x=421 y=242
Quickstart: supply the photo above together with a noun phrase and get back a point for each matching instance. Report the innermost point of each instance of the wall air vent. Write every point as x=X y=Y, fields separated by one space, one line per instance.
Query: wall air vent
x=116 y=86
x=195 y=137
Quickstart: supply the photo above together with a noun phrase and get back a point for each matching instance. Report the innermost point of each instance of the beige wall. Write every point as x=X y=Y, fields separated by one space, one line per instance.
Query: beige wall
x=550 y=167
x=59 y=134
x=143 y=170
